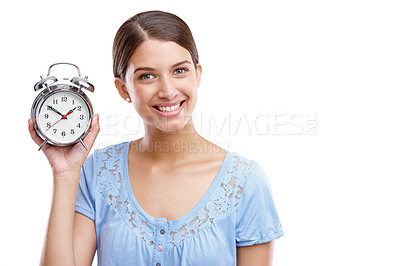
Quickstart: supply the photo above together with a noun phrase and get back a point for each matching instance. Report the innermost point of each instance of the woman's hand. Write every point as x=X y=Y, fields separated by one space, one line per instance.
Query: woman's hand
x=64 y=160
x=66 y=163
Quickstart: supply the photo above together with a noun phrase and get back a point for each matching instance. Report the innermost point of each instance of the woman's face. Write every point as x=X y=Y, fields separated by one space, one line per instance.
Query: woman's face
x=162 y=82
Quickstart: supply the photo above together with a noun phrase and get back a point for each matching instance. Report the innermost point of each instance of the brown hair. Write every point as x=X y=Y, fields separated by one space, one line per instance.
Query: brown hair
x=157 y=25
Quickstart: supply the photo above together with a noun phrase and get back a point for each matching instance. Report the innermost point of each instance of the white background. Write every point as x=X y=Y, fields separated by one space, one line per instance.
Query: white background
x=305 y=88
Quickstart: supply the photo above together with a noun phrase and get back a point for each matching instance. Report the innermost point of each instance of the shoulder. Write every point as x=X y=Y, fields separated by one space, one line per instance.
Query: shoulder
x=244 y=179
x=111 y=151
x=246 y=169
x=239 y=164
x=249 y=176
x=104 y=158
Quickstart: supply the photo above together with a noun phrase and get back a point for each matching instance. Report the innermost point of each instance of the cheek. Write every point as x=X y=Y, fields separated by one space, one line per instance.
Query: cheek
x=188 y=87
x=141 y=95
x=193 y=94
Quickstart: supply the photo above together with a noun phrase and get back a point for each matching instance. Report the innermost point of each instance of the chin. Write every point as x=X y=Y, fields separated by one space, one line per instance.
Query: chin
x=172 y=126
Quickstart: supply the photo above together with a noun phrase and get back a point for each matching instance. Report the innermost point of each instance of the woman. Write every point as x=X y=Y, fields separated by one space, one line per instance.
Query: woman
x=171 y=197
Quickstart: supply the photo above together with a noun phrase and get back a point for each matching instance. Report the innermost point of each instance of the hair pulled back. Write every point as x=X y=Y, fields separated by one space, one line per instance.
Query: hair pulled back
x=157 y=25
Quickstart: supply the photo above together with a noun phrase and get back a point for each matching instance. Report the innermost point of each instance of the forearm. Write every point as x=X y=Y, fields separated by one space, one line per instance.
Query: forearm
x=58 y=246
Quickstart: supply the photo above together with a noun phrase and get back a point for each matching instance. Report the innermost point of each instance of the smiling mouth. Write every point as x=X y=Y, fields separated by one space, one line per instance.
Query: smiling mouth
x=168 y=108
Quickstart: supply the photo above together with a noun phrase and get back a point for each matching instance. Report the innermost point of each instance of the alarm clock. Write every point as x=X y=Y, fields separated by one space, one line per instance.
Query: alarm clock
x=62 y=113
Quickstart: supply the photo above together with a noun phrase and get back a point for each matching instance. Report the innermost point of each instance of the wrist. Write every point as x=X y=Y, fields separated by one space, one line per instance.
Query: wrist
x=67 y=177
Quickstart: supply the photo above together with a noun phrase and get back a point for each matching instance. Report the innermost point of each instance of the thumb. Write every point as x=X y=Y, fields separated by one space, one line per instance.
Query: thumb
x=93 y=132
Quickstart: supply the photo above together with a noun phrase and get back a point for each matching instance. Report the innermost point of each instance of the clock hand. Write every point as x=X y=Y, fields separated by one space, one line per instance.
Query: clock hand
x=53 y=109
x=70 y=112
x=55 y=123
x=63 y=117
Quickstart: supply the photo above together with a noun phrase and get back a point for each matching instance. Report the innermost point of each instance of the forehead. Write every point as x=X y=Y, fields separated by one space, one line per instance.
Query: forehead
x=156 y=53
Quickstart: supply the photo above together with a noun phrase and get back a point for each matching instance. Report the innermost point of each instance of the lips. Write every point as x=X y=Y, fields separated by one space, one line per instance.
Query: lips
x=169 y=109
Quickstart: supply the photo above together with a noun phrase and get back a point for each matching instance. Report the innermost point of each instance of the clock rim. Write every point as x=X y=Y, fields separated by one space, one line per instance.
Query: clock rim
x=44 y=95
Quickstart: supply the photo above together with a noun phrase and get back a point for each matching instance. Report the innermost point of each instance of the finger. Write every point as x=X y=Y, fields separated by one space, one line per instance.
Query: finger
x=33 y=133
x=93 y=132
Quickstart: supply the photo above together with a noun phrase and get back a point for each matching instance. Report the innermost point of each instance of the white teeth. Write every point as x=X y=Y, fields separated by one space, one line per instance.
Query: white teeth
x=168 y=108
x=173 y=108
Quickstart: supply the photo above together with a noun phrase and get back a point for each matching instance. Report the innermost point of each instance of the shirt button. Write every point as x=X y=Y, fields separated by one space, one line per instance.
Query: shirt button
x=158 y=264
x=160 y=248
x=162 y=231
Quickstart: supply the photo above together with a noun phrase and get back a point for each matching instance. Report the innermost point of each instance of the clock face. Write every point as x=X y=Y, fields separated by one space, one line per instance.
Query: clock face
x=63 y=117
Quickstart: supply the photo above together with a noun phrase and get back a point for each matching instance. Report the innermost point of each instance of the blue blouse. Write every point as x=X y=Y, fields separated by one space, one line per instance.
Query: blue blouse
x=236 y=210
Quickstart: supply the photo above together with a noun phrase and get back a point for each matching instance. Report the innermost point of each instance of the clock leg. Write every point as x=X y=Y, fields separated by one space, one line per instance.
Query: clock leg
x=42 y=145
x=83 y=144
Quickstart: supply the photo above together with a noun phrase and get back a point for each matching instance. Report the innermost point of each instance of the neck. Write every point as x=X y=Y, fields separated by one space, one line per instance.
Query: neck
x=170 y=146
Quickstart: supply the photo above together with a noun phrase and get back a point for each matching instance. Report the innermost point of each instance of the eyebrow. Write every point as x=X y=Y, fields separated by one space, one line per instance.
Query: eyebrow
x=152 y=69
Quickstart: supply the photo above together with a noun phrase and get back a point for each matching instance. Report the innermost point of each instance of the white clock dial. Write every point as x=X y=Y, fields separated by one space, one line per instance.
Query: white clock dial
x=63 y=117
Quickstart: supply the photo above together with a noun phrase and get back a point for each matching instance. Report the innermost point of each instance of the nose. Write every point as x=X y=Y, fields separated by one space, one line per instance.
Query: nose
x=167 y=89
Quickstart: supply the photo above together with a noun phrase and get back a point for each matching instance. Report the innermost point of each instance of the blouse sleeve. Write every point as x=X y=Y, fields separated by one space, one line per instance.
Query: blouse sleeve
x=84 y=199
x=257 y=219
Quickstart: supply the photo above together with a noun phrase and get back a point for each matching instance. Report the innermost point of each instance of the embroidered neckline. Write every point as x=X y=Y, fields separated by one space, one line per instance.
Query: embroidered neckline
x=219 y=201
x=180 y=221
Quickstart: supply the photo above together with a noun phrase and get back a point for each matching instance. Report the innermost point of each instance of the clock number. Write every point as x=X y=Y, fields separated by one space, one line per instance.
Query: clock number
x=78 y=125
x=54 y=130
x=81 y=117
x=46 y=116
x=63 y=133
x=64 y=99
x=73 y=101
x=79 y=108
x=72 y=132
x=48 y=124
x=55 y=101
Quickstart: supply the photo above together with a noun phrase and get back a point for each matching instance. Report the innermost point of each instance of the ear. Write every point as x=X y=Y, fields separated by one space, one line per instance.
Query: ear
x=121 y=87
x=199 y=70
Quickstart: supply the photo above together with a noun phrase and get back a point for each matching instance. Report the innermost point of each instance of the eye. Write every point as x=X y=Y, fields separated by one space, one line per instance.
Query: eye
x=180 y=71
x=146 y=76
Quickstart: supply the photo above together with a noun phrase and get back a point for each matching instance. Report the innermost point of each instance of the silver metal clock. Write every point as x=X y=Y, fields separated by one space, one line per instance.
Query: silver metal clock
x=62 y=113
